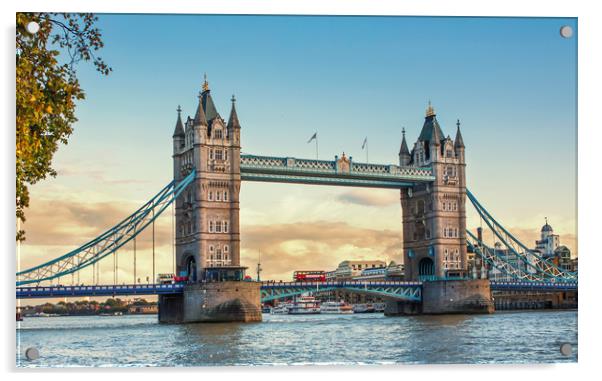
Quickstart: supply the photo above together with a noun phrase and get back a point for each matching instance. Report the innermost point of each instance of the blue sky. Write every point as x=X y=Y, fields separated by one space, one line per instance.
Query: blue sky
x=511 y=82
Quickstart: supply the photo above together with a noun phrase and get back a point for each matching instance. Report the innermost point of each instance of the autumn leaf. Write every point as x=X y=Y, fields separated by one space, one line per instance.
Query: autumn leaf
x=46 y=90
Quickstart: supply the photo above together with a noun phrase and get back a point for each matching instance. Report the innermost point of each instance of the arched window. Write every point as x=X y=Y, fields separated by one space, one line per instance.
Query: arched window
x=218 y=196
x=210 y=154
x=210 y=196
x=225 y=226
x=225 y=195
x=210 y=226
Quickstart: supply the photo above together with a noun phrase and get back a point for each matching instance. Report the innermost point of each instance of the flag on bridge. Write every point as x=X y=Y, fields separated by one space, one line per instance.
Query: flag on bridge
x=365 y=142
x=314 y=136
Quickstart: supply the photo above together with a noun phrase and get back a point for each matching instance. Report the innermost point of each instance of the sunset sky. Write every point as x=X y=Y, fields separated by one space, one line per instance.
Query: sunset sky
x=511 y=82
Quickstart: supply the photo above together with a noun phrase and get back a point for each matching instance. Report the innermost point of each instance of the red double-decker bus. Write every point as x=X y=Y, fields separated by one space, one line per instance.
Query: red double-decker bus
x=309 y=276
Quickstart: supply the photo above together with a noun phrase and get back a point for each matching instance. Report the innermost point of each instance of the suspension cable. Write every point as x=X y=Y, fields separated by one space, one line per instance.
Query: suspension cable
x=153 y=279
x=135 y=282
x=173 y=241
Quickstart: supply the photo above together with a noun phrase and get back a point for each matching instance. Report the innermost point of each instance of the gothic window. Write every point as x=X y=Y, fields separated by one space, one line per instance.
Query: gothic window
x=219 y=154
x=210 y=196
x=225 y=226
x=450 y=171
x=225 y=195
x=210 y=226
x=420 y=207
x=226 y=248
x=218 y=196
x=449 y=153
x=225 y=154
x=420 y=231
x=210 y=154
x=218 y=134
x=218 y=226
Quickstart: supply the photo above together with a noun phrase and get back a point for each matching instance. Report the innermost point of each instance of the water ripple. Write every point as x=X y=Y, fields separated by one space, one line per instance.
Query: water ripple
x=139 y=341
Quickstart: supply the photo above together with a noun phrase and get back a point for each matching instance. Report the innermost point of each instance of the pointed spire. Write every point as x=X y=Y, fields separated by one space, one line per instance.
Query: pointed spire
x=404 y=145
x=431 y=128
x=179 y=130
x=459 y=143
x=200 y=119
x=233 y=120
x=205 y=83
x=435 y=133
x=405 y=157
x=430 y=111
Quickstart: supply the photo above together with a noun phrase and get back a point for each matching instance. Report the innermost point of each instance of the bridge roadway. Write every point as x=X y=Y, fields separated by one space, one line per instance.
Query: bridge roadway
x=410 y=291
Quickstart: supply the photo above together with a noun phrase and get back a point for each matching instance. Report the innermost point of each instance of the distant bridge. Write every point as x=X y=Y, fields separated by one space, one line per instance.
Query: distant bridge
x=403 y=291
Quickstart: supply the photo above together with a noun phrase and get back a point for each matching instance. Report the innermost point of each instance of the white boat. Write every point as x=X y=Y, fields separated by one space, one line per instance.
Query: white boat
x=281 y=309
x=304 y=305
x=336 y=308
x=363 y=308
x=379 y=307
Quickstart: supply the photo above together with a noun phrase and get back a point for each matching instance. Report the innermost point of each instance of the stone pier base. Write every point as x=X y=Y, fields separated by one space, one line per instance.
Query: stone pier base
x=212 y=302
x=448 y=297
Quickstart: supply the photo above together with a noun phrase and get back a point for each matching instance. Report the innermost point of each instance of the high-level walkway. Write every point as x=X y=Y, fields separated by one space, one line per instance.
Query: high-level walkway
x=324 y=172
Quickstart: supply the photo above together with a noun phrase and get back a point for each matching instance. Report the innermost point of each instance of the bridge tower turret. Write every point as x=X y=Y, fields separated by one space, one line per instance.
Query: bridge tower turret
x=434 y=215
x=404 y=152
x=207 y=213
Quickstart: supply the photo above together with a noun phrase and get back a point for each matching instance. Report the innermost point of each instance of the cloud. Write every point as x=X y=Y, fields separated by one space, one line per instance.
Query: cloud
x=67 y=223
x=55 y=227
x=370 y=197
x=319 y=245
x=96 y=175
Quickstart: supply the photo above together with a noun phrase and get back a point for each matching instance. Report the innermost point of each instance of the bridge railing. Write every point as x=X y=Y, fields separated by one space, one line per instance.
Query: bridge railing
x=306 y=166
x=340 y=284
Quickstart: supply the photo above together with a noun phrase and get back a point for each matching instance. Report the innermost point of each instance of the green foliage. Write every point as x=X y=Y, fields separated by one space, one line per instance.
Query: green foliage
x=46 y=91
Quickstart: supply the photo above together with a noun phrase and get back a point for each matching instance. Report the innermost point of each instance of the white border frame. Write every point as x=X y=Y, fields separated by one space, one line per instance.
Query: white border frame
x=588 y=141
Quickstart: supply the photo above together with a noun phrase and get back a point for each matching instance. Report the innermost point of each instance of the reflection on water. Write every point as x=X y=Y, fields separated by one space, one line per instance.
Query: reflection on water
x=520 y=337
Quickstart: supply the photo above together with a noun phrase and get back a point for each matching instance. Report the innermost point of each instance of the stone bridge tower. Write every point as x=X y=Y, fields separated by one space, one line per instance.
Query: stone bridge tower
x=434 y=214
x=207 y=212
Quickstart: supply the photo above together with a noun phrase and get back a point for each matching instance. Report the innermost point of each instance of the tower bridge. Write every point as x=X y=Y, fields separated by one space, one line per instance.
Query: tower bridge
x=208 y=169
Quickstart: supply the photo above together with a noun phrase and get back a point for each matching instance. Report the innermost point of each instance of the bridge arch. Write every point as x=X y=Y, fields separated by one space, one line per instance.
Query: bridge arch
x=191 y=268
x=426 y=267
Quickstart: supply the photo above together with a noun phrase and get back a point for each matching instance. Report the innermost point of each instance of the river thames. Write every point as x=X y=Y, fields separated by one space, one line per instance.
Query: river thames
x=138 y=340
